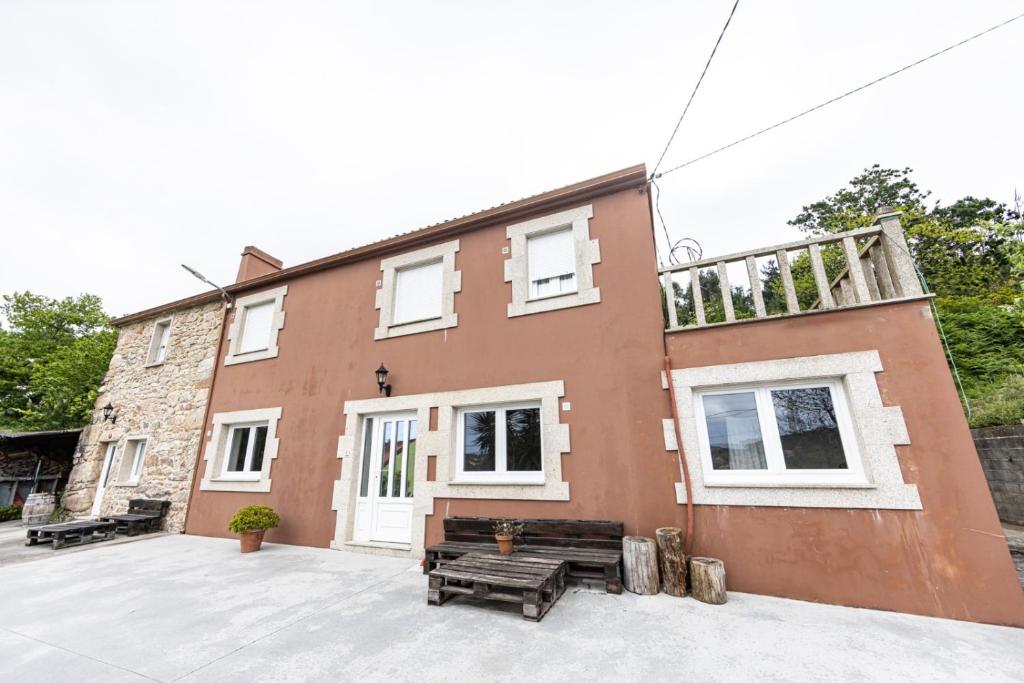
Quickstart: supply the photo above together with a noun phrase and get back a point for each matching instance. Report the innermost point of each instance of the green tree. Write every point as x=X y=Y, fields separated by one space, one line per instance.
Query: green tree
x=53 y=355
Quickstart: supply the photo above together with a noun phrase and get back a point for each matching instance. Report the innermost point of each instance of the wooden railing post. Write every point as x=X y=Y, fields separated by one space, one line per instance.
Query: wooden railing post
x=901 y=263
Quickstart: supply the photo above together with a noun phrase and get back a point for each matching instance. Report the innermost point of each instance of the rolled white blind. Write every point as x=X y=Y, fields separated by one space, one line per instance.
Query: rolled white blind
x=418 y=293
x=256 y=327
x=551 y=254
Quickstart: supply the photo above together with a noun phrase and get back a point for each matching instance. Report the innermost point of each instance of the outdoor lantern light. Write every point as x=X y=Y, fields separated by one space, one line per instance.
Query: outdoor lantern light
x=109 y=414
x=382 y=378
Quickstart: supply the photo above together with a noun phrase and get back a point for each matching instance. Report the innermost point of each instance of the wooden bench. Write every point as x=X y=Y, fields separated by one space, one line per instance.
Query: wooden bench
x=71 y=533
x=534 y=582
x=592 y=549
x=143 y=516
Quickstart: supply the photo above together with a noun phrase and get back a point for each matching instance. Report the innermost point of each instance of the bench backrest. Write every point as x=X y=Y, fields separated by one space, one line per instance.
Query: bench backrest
x=145 y=506
x=565 y=533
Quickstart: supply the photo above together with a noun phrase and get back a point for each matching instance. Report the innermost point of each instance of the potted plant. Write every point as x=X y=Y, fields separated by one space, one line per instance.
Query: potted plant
x=252 y=522
x=505 y=530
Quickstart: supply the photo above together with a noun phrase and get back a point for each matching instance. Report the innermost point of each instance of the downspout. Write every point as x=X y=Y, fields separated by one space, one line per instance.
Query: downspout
x=206 y=412
x=683 y=466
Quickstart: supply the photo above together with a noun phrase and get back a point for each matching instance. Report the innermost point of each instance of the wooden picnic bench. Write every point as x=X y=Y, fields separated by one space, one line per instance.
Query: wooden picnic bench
x=592 y=549
x=534 y=582
x=143 y=516
x=71 y=533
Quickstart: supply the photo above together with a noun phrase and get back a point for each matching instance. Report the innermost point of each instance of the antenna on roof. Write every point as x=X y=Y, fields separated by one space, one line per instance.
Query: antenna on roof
x=195 y=273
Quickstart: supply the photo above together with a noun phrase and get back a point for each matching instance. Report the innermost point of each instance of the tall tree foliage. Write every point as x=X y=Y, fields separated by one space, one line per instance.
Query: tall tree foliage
x=53 y=355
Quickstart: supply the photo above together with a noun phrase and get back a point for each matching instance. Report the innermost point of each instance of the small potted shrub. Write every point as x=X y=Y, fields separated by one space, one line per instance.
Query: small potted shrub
x=252 y=522
x=505 y=530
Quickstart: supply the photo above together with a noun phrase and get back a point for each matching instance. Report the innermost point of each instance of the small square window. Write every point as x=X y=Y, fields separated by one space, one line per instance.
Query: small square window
x=158 y=343
x=258 y=320
x=551 y=262
x=500 y=443
x=418 y=293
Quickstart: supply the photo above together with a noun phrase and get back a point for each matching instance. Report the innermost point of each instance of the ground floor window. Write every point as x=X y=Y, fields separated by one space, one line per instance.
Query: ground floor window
x=776 y=434
x=132 y=458
x=240 y=450
x=246 y=446
x=500 y=443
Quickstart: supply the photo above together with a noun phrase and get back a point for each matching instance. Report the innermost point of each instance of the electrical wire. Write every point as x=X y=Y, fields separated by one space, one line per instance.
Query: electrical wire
x=694 y=93
x=834 y=99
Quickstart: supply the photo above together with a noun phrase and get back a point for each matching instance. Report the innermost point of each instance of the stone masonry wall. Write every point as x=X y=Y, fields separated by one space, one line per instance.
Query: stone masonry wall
x=163 y=403
x=1001 y=450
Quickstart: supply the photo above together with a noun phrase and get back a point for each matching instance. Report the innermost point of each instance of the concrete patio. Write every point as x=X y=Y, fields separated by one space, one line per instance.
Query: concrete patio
x=188 y=608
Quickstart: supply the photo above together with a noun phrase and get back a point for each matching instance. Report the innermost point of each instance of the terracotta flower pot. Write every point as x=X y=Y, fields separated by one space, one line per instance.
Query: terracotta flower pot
x=252 y=540
x=504 y=543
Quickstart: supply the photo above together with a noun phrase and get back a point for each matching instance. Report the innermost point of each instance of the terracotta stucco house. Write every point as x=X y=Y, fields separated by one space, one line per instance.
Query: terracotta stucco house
x=529 y=358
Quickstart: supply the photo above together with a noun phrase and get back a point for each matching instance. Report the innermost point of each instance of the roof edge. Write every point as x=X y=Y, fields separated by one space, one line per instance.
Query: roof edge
x=616 y=181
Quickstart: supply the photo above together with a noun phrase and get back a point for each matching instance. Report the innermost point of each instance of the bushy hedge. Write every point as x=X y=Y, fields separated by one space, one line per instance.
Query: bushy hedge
x=9 y=512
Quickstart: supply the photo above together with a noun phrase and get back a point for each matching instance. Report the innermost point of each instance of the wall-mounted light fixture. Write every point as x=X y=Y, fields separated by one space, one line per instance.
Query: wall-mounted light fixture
x=382 y=378
x=109 y=413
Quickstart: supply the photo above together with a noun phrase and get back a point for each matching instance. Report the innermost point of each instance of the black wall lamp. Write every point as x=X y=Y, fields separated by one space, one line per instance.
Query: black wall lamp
x=109 y=413
x=382 y=378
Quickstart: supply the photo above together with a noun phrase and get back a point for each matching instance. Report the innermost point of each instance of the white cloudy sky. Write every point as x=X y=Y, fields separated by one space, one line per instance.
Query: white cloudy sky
x=135 y=135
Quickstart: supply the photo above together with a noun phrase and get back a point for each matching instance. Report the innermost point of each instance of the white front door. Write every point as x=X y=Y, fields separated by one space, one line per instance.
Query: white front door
x=386 y=476
x=101 y=485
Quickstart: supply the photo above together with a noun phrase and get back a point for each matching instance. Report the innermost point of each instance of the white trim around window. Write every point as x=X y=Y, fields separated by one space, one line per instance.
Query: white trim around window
x=258 y=318
x=559 y=280
x=159 y=343
x=245 y=468
x=869 y=431
x=431 y=304
x=499 y=469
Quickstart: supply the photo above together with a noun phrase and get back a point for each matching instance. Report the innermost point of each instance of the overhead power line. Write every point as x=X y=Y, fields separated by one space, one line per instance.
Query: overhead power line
x=837 y=98
x=695 y=89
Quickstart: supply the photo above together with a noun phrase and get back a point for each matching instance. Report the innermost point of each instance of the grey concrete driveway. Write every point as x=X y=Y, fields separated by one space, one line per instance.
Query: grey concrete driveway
x=194 y=609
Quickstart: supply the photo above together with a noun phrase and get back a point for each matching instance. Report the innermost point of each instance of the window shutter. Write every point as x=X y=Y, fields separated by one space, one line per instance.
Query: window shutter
x=551 y=254
x=256 y=327
x=418 y=293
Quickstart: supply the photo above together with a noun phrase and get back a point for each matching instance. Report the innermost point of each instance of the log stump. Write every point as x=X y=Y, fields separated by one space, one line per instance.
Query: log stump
x=673 y=560
x=640 y=565
x=707 y=580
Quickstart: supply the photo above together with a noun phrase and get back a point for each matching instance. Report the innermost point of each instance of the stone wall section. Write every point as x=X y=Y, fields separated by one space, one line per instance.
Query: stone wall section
x=163 y=403
x=1001 y=450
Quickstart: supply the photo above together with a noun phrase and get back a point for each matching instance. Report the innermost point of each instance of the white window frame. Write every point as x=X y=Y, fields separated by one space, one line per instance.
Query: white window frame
x=131 y=474
x=451 y=283
x=532 y=296
x=275 y=296
x=215 y=475
x=776 y=472
x=500 y=473
x=246 y=474
x=587 y=252
x=154 y=358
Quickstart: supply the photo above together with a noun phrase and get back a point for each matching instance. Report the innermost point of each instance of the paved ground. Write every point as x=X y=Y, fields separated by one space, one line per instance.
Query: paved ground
x=194 y=609
x=14 y=551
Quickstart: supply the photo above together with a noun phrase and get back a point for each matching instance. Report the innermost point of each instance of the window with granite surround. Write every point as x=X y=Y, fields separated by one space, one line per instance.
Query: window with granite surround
x=416 y=292
x=240 y=451
x=254 y=329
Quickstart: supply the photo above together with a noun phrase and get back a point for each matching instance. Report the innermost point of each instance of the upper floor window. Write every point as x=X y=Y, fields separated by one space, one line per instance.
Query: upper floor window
x=777 y=434
x=158 y=343
x=551 y=262
x=500 y=443
x=416 y=292
x=253 y=332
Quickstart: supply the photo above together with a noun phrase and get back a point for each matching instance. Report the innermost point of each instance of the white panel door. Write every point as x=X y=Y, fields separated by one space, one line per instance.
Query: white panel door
x=386 y=479
x=101 y=485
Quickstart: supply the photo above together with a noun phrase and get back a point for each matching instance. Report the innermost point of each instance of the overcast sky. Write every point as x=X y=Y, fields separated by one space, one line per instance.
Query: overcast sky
x=135 y=136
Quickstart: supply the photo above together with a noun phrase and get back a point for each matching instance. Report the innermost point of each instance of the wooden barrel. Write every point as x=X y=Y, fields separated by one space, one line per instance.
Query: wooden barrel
x=38 y=508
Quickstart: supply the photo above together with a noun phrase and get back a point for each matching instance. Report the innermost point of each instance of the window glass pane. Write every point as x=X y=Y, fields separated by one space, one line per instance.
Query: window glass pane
x=256 y=327
x=385 y=459
x=257 y=450
x=551 y=255
x=478 y=442
x=396 y=479
x=734 y=432
x=236 y=450
x=808 y=428
x=418 y=293
x=364 y=477
x=522 y=440
x=140 y=455
x=410 y=463
x=108 y=464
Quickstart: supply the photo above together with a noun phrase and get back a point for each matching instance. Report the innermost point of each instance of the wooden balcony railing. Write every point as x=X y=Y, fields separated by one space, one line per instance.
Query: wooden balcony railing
x=870 y=264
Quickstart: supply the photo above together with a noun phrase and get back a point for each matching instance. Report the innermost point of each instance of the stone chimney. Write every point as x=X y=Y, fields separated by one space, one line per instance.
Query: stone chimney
x=256 y=263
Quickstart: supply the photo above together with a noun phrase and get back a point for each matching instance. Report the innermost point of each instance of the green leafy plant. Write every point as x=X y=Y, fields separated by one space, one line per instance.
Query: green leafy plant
x=508 y=527
x=254 y=518
x=9 y=512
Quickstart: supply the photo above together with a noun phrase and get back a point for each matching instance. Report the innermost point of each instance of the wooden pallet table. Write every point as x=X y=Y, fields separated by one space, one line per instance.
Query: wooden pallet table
x=144 y=516
x=71 y=533
x=534 y=582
